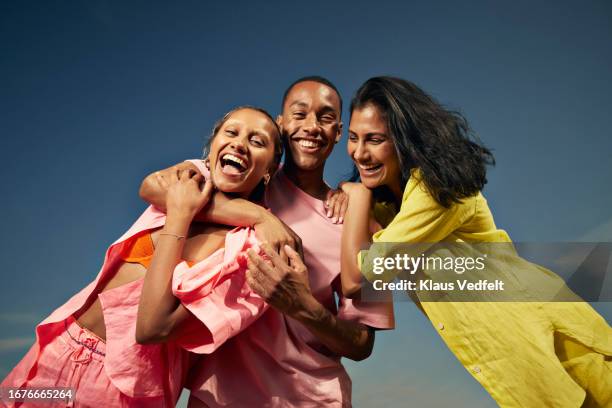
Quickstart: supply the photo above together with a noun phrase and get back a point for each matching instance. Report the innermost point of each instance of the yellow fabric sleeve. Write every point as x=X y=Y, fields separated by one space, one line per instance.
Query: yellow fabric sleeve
x=422 y=219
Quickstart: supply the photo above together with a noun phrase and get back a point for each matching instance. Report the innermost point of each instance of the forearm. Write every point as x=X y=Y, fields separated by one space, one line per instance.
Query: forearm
x=355 y=237
x=284 y=285
x=159 y=312
x=221 y=209
x=346 y=338
x=236 y=212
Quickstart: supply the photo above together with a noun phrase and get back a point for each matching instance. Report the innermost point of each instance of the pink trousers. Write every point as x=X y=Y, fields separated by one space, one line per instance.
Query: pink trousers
x=74 y=359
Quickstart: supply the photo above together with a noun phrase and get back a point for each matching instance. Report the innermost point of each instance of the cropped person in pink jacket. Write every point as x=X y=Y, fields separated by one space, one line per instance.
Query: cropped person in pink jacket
x=191 y=277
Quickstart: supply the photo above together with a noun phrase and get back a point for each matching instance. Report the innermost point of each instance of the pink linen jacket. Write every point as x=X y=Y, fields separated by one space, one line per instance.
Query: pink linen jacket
x=214 y=290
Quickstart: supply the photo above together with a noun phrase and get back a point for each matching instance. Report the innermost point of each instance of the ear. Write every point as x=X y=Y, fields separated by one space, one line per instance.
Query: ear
x=339 y=135
x=279 y=120
x=207 y=163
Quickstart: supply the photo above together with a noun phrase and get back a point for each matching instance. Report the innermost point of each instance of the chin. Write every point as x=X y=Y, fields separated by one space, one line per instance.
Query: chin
x=242 y=188
x=371 y=183
x=307 y=163
x=227 y=190
x=228 y=187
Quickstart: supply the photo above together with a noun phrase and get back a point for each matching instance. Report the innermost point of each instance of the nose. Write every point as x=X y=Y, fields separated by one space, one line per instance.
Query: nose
x=239 y=144
x=360 y=154
x=311 y=124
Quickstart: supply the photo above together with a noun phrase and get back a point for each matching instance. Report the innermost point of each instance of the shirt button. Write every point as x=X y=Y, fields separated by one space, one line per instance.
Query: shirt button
x=476 y=369
x=440 y=326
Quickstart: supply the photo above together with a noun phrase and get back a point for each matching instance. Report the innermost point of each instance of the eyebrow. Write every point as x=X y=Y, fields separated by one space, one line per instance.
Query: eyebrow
x=329 y=109
x=256 y=132
x=370 y=133
x=299 y=103
x=325 y=109
x=265 y=135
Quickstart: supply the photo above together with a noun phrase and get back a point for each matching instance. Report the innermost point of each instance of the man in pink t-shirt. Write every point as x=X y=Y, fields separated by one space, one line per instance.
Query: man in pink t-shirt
x=290 y=356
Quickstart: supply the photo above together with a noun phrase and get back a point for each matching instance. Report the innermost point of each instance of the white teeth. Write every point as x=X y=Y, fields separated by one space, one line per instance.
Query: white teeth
x=370 y=167
x=308 y=143
x=231 y=157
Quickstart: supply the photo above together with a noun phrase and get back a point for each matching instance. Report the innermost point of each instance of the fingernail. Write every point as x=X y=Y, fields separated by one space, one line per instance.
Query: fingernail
x=328 y=213
x=341 y=220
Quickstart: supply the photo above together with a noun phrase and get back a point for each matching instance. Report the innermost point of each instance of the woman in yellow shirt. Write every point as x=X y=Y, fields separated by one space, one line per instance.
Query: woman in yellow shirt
x=421 y=176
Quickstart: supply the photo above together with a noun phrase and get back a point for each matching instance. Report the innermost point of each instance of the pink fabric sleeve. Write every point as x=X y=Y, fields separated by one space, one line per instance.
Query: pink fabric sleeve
x=215 y=291
x=378 y=315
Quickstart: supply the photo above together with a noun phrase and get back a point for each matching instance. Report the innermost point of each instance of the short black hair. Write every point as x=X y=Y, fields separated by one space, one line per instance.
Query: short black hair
x=312 y=78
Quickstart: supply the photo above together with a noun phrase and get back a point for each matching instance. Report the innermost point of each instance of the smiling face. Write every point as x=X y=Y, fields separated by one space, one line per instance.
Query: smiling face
x=371 y=148
x=242 y=152
x=310 y=123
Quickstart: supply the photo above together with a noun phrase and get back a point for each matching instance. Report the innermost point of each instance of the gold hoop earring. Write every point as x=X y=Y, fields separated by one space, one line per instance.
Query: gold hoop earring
x=266 y=179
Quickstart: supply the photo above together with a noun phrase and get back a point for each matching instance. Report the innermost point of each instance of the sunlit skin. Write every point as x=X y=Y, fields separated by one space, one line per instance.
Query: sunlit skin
x=311 y=125
x=311 y=113
x=248 y=136
x=371 y=148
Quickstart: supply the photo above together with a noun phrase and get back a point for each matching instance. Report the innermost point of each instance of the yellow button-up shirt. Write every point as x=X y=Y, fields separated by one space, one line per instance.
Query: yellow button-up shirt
x=522 y=353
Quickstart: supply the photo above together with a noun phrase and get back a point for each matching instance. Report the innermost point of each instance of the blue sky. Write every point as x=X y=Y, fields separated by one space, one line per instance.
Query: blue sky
x=97 y=94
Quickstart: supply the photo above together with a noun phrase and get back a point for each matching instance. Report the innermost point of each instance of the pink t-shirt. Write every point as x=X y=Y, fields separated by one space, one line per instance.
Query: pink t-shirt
x=277 y=362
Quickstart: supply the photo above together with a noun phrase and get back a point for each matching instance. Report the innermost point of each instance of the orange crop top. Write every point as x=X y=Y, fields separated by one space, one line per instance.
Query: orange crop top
x=140 y=250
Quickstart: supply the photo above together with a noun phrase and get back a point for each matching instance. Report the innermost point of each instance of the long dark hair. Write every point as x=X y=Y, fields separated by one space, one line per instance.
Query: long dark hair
x=427 y=136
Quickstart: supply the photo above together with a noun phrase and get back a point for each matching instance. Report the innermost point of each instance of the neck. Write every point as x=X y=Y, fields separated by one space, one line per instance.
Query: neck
x=309 y=181
x=250 y=196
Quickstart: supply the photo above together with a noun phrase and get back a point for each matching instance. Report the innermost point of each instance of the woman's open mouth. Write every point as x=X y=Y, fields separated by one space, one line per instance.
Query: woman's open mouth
x=233 y=165
x=368 y=170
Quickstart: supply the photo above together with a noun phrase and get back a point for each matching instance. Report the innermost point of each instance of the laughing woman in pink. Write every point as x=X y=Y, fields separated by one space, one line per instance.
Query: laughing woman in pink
x=99 y=342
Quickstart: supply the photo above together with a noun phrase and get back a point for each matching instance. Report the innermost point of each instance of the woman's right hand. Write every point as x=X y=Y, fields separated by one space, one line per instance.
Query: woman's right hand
x=187 y=194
